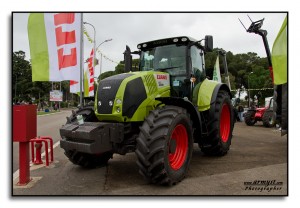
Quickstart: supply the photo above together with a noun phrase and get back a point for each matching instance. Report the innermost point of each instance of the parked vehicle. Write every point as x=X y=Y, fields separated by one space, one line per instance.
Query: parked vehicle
x=158 y=112
x=264 y=114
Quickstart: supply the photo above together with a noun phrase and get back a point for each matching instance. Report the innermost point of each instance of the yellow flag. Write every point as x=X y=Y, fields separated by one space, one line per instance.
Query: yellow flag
x=279 y=55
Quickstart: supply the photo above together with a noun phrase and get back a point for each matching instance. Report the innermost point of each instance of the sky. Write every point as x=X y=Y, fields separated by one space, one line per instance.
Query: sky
x=133 y=28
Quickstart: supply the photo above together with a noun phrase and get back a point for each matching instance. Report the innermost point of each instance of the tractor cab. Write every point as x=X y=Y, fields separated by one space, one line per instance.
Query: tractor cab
x=181 y=57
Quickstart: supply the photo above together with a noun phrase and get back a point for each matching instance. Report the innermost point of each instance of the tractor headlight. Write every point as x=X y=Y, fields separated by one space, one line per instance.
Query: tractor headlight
x=118 y=101
x=118 y=110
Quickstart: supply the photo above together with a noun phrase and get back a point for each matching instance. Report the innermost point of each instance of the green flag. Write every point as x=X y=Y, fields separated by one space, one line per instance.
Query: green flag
x=54 y=41
x=216 y=73
x=279 y=55
x=38 y=47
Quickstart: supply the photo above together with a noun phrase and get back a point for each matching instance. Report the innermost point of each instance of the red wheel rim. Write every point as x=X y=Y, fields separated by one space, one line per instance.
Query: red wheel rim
x=180 y=138
x=225 y=122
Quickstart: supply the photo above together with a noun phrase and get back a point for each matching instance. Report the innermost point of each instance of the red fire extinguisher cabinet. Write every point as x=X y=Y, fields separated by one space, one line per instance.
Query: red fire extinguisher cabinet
x=24 y=122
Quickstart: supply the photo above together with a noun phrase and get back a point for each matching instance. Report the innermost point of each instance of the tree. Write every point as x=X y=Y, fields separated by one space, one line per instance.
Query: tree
x=260 y=79
x=24 y=89
x=21 y=75
x=106 y=74
x=119 y=69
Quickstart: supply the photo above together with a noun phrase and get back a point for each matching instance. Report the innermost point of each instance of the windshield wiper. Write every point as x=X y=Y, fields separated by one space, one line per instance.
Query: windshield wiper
x=172 y=67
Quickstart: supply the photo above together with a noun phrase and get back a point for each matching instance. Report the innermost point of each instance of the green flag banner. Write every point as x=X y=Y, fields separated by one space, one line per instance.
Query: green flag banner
x=279 y=55
x=216 y=73
x=54 y=41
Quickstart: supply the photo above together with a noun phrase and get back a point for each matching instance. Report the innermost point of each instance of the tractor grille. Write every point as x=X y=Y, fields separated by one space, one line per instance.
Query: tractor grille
x=151 y=84
x=107 y=91
x=134 y=95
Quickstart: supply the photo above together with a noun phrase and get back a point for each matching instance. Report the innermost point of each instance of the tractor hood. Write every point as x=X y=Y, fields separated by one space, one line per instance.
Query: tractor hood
x=107 y=91
x=119 y=97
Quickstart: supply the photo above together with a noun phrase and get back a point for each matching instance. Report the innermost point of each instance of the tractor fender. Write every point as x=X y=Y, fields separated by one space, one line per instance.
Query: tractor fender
x=218 y=87
x=205 y=95
x=189 y=106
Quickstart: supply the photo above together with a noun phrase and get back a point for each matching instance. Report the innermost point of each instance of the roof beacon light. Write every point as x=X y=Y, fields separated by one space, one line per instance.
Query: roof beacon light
x=183 y=39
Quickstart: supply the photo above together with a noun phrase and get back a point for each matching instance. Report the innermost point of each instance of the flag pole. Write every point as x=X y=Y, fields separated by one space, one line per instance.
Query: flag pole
x=62 y=100
x=81 y=61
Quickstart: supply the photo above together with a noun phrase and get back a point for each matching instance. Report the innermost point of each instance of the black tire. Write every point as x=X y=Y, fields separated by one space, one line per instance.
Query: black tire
x=157 y=152
x=220 y=127
x=268 y=119
x=250 y=117
x=88 y=160
x=83 y=159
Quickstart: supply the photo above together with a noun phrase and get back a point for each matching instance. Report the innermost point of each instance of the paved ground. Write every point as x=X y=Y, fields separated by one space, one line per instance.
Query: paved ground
x=256 y=154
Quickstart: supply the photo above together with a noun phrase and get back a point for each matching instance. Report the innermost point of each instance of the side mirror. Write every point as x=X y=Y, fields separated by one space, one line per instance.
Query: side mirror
x=208 y=43
x=127 y=59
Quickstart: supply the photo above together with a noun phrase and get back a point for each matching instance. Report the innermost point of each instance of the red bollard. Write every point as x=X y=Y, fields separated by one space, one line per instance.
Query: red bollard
x=24 y=171
x=38 y=146
x=51 y=146
x=38 y=156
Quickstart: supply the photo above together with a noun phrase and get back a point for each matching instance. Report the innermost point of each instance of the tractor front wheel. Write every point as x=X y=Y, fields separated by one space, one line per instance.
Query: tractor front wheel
x=164 y=145
x=83 y=159
x=88 y=160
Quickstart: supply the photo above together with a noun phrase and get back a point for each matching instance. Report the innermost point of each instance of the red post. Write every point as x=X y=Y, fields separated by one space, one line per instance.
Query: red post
x=24 y=129
x=24 y=174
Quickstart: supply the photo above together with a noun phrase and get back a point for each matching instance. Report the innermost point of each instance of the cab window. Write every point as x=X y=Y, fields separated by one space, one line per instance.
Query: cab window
x=197 y=64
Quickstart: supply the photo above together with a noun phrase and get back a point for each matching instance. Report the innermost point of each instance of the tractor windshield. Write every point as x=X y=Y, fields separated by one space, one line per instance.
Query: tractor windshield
x=168 y=58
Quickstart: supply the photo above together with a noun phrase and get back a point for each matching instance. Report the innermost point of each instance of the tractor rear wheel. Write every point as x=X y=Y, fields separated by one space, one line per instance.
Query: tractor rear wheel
x=250 y=117
x=84 y=159
x=268 y=119
x=220 y=126
x=165 y=145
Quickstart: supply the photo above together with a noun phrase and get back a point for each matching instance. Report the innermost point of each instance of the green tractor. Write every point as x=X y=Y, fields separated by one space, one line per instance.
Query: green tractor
x=158 y=112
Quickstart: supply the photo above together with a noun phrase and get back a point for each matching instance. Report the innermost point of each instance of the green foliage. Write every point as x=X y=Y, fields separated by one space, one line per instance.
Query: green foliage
x=106 y=74
x=119 y=69
x=21 y=77
x=239 y=67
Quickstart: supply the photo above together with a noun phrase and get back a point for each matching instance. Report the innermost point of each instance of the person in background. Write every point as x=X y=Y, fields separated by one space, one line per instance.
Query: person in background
x=240 y=112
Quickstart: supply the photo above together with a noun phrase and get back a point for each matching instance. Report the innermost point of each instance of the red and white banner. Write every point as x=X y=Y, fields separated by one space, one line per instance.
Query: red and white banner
x=90 y=75
x=54 y=40
x=74 y=86
x=88 y=79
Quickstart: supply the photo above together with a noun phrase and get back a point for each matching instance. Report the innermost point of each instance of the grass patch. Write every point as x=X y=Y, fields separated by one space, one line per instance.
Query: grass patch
x=39 y=113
